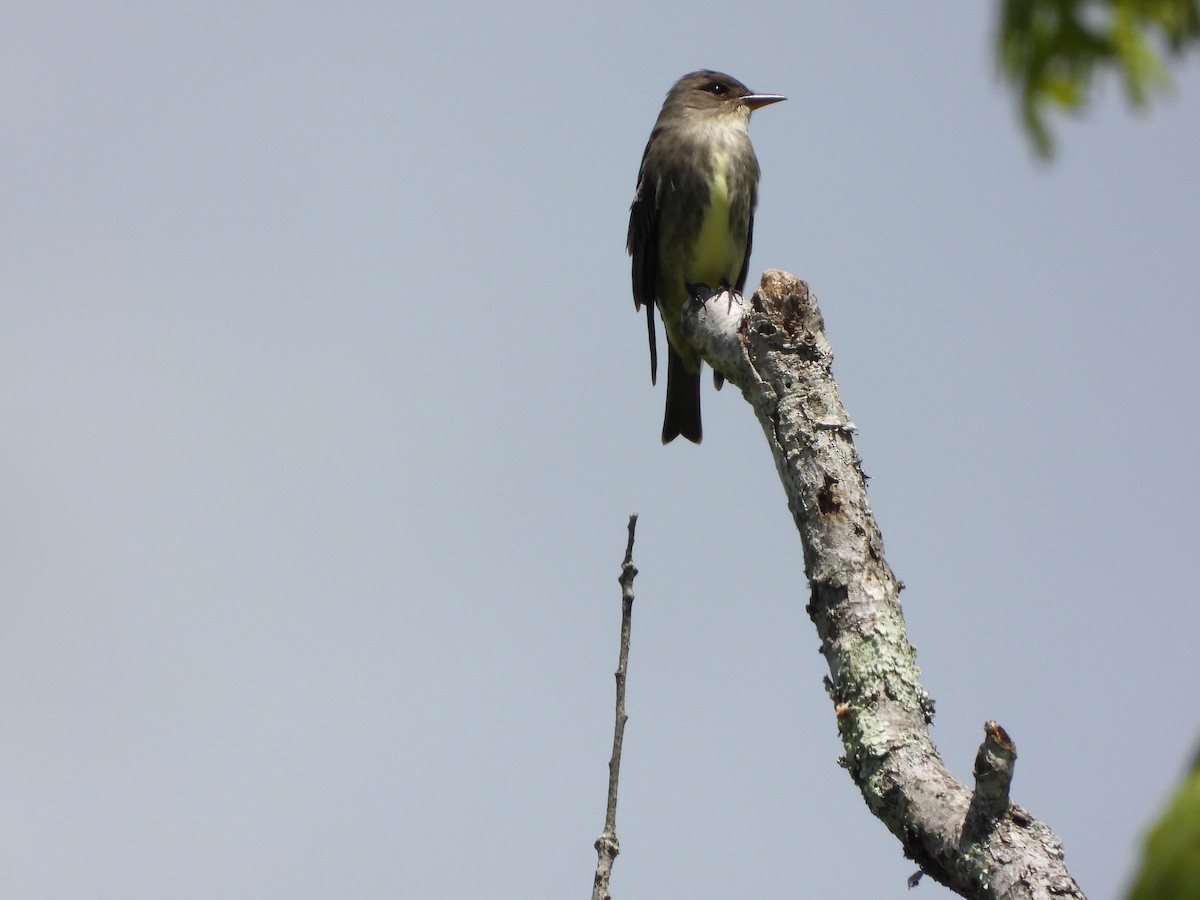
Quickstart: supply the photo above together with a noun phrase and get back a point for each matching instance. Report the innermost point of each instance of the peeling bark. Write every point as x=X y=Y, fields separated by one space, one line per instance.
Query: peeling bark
x=976 y=842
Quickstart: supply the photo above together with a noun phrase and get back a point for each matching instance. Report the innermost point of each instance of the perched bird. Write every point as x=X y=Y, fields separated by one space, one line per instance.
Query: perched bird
x=692 y=221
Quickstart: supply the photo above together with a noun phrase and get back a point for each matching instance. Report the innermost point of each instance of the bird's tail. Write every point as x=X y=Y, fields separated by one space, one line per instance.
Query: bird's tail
x=682 y=416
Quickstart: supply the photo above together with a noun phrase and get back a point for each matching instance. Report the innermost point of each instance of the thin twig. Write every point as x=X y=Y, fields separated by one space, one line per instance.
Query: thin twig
x=607 y=846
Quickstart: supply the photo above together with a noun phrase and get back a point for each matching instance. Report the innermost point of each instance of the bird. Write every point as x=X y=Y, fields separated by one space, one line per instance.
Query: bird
x=691 y=222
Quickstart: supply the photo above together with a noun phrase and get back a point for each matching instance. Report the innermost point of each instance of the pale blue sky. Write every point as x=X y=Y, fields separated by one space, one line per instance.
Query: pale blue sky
x=324 y=403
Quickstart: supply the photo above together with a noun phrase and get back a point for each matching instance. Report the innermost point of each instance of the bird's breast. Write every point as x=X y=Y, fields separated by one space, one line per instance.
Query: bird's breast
x=719 y=251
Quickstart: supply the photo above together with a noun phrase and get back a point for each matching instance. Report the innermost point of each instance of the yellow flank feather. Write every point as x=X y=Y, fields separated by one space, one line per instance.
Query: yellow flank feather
x=717 y=255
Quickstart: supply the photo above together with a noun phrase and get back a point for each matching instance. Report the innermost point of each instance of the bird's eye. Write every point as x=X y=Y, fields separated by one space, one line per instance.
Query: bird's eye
x=717 y=89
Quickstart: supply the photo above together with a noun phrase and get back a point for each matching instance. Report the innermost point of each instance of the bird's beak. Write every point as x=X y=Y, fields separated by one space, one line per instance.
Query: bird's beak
x=754 y=101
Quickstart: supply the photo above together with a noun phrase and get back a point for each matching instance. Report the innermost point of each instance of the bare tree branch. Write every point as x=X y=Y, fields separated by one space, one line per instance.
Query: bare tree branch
x=607 y=846
x=978 y=844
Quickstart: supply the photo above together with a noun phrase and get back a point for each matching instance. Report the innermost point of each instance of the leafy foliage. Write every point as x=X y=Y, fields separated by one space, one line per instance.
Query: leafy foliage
x=1051 y=50
x=1171 y=868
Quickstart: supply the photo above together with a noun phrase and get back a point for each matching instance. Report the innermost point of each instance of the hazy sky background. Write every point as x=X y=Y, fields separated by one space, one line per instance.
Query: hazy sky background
x=324 y=402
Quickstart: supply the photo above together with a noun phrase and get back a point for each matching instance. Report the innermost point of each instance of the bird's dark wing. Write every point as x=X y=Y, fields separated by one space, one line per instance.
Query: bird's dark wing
x=718 y=378
x=741 y=281
x=642 y=244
